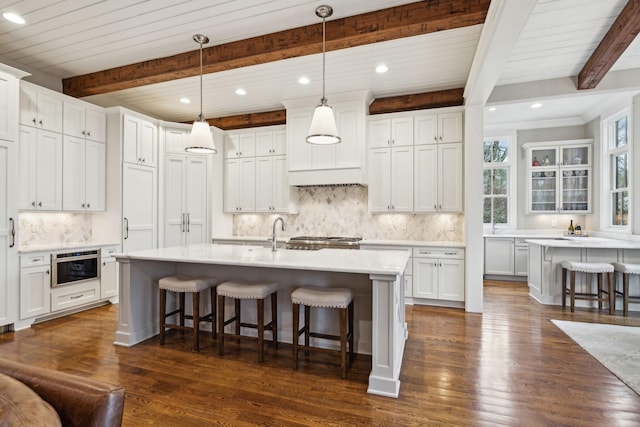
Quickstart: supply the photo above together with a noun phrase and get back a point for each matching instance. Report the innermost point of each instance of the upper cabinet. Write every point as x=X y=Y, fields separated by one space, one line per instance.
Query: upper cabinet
x=83 y=175
x=41 y=108
x=428 y=177
x=84 y=120
x=559 y=176
x=271 y=143
x=140 y=143
x=8 y=107
x=238 y=145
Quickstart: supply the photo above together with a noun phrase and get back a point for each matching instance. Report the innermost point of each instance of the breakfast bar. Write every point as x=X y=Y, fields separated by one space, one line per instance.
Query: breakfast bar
x=545 y=256
x=375 y=277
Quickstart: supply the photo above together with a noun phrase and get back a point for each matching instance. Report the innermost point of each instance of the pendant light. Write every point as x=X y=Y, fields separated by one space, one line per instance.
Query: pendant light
x=200 y=139
x=323 y=130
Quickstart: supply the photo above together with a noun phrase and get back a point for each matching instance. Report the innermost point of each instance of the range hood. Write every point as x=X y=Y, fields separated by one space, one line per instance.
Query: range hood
x=343 y=163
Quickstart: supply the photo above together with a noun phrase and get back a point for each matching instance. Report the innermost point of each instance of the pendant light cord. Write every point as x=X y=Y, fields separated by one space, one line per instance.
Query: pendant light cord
x=201 y=116
x=324 y=100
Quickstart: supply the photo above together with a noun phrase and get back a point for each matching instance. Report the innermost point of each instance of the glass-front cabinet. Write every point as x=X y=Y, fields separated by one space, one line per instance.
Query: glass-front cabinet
x=559 y=176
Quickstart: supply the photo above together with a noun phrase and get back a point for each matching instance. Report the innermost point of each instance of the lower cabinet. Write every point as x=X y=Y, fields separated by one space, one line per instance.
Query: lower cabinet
x=35 y=282
x=108 y=274
x=506 y=256
x=521 y=257
x=438 y=273
x=69 y=296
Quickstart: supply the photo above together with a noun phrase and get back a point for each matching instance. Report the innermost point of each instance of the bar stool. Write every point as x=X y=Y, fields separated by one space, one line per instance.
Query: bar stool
x=626 y=270
x=313 y=296
x=600 y=269
x=181 y=285
x=240 y=290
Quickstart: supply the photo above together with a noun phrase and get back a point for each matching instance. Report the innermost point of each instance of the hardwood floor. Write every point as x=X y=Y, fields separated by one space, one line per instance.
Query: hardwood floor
x=507 y=366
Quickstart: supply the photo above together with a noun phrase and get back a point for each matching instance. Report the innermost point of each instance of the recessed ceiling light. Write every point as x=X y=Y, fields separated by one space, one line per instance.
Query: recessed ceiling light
x=13 y=17
x=536 y=105
x=382 y=69
x=492 y=109
x=304 y=80
x=241 y=92
x=185 y=100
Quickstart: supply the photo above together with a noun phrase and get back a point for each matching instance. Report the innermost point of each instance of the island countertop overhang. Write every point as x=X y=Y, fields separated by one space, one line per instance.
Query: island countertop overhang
x=386 y=262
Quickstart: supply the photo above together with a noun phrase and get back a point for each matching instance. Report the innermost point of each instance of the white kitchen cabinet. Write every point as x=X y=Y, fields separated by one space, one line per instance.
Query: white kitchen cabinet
x=521 y=257
x=559 y=176
x=438 y=179
x=240 y=185
x=83 y=175
x=499 y=255
x=390 y=132
x=438 y=128
x=391 y=179
x=271 y=142
x=70 y=296
x=438 y=274
x=140 y=142
x=8 y=107
x=9 y=273
x=40 y=107
x=272 y=189
x=84 y=120
x=186 y=199
x=240 y=145
x=35 y=284
x=40 y=169
x=108 y=273
x=139 y=207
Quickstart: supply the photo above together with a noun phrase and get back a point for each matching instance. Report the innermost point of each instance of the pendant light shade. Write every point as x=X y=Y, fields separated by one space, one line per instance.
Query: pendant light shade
x=323 y=130
x=200 y=139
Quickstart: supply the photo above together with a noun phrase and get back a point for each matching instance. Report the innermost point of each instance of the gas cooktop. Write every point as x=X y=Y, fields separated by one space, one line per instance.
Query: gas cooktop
x=320 y=242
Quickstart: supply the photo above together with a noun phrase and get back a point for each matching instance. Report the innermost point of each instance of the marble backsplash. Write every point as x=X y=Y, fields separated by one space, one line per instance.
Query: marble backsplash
x=35 y=228
x=343 y=211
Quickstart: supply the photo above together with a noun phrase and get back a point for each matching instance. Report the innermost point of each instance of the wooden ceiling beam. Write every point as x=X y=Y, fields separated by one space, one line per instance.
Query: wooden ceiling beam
x=388 y=24
x=418 y=101
x=625 y=28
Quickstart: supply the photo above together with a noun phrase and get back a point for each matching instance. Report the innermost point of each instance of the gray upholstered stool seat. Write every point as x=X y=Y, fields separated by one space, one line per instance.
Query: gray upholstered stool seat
x=601 y=270
x=626 y=270
x=182 y=284
x=241 y=290
x=317 y=297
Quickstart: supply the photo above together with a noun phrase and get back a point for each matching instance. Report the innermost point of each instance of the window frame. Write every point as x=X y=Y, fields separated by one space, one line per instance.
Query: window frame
x=512 y=183
x=609 y=153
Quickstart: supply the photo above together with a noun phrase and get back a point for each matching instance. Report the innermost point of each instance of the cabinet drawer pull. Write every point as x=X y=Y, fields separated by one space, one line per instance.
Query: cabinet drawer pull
x=450 y=253
x=77 y=296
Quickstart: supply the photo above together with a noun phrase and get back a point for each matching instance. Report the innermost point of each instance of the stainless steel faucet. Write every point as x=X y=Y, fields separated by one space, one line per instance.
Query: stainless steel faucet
x=273 y=237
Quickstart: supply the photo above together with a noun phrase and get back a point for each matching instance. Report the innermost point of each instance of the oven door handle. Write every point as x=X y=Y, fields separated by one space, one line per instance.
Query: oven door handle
x=75 y=258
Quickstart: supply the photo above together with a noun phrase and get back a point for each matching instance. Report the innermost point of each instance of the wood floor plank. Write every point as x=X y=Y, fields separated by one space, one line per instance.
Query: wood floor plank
x=507 y=366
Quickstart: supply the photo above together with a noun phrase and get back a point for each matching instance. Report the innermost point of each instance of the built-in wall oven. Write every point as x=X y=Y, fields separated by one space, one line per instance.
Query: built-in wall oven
x=74 y=267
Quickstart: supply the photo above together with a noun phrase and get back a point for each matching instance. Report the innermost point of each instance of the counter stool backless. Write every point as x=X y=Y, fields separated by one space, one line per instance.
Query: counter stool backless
x=600 y=269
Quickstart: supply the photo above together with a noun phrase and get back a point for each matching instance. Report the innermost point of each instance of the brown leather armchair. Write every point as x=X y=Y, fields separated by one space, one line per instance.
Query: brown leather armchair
x=78 y=401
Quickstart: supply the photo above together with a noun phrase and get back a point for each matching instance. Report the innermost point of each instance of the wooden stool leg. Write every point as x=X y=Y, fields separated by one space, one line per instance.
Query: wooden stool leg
x=181 y=298
x=220 y=325
x=195 y=297
x=625 y=294
x=163 y=310
x=564 y=288
x=612 y=293
x=274 y=319
x=307 y=315
x=600 y=277
x=214 y=318
x=572 y=290
x=295 y=308
x=343 y=342
x=351 y=334
x=237 y=316
x=260 y=304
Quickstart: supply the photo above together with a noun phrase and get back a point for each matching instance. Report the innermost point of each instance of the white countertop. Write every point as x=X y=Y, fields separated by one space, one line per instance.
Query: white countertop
x=53 y=247
x=391 y=262
x=586 y=242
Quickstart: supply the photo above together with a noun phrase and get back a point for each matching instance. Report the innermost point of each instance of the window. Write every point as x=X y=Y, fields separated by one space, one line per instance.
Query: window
x=497 y=182
x=616 y=139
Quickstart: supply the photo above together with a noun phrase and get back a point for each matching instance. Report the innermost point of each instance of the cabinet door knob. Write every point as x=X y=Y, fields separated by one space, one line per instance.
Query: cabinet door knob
x=33 y=204
x=440 y=137
x=40 y=204
x=84 y=133
x=34 y=120
x=83 y=205
x=89 y=132
x=40 y=122
x=88 y=205
x=47 y=272
x=435 y=207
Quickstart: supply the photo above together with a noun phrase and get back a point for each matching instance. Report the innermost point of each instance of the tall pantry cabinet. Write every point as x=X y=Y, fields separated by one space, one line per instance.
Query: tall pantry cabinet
x=132 y=187
x=185 y=195
x=9 y=275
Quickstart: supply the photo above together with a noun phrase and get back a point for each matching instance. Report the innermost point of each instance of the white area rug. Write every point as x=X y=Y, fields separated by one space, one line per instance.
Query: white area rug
x=616 y=347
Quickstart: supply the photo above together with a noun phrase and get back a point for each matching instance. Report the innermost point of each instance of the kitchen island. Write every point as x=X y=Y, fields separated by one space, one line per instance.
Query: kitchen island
x=375 y=277
x=545 y=256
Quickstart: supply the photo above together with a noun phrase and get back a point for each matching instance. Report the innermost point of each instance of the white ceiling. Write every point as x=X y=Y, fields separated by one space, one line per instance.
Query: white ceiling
x=68 y=38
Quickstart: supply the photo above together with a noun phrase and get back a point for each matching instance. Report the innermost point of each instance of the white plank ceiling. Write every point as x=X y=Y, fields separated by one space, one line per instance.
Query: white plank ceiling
x=69 y=38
